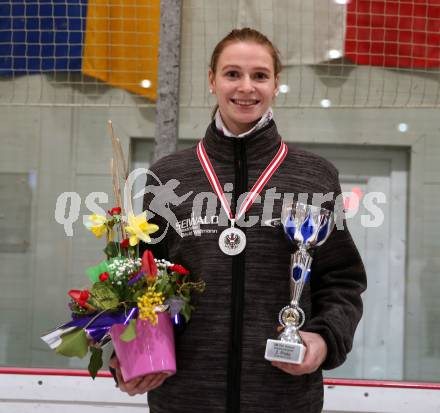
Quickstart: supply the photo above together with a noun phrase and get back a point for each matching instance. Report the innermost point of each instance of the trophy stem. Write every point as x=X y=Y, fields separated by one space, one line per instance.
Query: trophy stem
x=306 y=259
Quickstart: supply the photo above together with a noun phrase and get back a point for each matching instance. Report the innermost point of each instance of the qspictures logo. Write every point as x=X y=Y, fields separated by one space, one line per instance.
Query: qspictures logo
x=163 y=200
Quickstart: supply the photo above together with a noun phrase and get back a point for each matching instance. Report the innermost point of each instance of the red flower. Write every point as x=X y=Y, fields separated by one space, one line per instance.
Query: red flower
x=125 y=243
x=179 y=269
x=79 y=297
x=149 y=266
x=104 y=276
x=115 y=211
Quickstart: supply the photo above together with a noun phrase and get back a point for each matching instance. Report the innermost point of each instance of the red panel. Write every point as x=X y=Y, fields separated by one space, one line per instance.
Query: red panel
x=393 y=33
x=383 y=384
x=50 y=372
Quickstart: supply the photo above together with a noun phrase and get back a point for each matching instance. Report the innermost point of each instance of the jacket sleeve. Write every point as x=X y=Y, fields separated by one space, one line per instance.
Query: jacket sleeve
x=337 y=280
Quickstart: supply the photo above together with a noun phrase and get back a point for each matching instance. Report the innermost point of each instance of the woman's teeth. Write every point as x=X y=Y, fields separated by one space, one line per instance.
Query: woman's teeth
x=244 y=102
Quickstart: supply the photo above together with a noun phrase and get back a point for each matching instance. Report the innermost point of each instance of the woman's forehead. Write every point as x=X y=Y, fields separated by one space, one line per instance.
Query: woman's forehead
x=248 y=54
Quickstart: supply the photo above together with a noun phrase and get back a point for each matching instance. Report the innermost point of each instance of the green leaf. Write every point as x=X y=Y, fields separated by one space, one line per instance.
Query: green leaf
x=186 y=311
x=162 y=283
x=73 y=344
x=169 y=291
x=94 y=272
x=95 y=362
x=129 y=333
x=103 y=296
x=112 y=249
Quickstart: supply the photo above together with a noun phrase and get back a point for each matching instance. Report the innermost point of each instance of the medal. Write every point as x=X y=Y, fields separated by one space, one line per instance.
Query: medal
x=232 y=240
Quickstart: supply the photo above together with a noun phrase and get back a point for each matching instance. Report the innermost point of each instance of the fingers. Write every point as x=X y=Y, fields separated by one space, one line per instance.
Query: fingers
x=114 y=363
x=151 y=382
x=141 y=385
x=287 y=368
x=295 y=369
x=129 y=387
x=305 y=367
x=315 y=355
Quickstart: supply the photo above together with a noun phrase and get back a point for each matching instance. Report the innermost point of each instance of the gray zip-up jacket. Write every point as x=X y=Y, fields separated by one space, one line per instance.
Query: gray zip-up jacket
x=220 y=353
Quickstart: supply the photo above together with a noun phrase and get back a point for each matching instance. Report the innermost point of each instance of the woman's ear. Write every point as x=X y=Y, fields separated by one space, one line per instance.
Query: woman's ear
x=277 y=84
x=211 y=81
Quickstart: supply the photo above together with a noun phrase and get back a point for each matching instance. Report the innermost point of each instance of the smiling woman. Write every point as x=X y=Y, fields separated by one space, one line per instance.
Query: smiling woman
x=244 y=74
x=246 y=267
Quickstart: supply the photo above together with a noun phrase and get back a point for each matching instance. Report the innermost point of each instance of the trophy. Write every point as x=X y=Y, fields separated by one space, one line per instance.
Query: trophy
x=308 y=227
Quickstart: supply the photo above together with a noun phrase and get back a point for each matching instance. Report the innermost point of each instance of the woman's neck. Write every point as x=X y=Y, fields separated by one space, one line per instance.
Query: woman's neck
x=263 y=121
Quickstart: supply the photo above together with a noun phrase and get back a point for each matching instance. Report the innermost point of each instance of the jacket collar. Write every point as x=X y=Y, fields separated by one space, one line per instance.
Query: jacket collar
x=261 y=144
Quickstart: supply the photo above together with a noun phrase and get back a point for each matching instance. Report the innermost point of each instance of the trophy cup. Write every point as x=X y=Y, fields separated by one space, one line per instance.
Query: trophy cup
x=308 y=227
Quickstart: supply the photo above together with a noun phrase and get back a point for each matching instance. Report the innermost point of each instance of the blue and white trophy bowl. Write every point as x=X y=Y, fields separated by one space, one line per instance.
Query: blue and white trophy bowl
x=307 y=227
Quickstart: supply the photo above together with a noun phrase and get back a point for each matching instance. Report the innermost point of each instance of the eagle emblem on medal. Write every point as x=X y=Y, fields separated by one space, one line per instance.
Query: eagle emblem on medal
x=232 y=241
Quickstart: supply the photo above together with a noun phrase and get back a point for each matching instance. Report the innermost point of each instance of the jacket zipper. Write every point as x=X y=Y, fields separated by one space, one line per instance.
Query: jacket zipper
x=237 y=290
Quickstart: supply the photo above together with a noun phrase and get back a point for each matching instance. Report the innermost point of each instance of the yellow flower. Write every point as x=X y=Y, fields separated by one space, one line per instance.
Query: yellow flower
x=97 y=225
x=147 y=304
x=139 y=228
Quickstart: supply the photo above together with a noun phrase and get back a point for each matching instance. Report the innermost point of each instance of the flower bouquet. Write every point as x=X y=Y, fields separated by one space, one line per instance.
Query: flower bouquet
x=133 y=301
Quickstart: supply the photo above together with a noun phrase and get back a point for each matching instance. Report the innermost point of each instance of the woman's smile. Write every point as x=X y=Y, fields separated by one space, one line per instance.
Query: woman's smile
x=245 y=102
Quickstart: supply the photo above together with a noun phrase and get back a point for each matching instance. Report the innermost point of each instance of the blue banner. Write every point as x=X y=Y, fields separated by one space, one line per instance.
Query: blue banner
x=41 y=36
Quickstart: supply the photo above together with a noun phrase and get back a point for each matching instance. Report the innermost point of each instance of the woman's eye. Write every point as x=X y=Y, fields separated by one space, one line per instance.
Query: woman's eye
x=232 y=73
x=261 y=76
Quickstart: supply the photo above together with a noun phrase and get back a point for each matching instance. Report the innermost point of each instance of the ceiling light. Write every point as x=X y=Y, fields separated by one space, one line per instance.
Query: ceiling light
x=284 y=88
x=402 y=127
x=326 y=103
x=334 y=54
x=146 y=83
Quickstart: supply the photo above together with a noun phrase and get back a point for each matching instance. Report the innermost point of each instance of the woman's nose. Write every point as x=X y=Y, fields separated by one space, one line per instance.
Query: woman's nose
x=246 y=84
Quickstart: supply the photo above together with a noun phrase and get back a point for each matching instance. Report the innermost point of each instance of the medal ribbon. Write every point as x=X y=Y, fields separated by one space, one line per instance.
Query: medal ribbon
x=256 y=189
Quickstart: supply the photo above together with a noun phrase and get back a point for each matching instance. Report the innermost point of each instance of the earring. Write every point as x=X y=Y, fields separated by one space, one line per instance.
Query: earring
x=211 y=91
x=277 y=92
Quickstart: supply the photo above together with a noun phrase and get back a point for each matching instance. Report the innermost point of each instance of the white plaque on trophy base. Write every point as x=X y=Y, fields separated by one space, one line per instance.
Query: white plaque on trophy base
x=277 y=350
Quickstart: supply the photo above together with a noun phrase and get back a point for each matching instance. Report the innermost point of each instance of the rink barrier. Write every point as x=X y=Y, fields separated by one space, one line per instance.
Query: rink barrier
x=327 y=382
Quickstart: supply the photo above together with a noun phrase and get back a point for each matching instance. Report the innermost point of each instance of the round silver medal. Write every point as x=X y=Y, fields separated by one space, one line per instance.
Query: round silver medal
x=232 y=241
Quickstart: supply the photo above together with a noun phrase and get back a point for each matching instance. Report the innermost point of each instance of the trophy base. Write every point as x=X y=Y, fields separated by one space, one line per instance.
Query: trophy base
x=284 y=351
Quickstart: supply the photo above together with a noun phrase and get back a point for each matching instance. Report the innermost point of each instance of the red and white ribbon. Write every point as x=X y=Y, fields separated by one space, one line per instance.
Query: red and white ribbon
x=256 y=189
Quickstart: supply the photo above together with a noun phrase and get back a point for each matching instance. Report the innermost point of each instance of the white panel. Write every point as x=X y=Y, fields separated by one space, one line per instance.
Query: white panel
x=53 y=394
x=416 y=335
x=18 y=138
x=349 y=399
x=432 y=153
x=379 y=342
x=397 y=266
x=355 y=364
x=26 y=393
x=51 y=407
x=50 y=261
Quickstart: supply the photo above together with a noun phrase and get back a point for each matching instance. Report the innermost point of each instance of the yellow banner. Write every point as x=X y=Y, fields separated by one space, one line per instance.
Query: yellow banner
x=122 y=43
